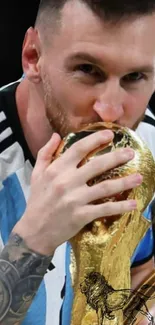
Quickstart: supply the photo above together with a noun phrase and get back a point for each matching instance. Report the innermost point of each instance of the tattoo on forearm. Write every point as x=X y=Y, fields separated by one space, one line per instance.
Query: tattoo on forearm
x=21 y=273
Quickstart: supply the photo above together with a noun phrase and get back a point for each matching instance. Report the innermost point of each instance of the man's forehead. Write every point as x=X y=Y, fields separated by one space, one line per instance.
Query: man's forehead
x=79 y=20
x=82 y=30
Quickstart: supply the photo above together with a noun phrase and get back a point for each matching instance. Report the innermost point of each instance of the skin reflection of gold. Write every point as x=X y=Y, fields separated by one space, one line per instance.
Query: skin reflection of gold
x=101 y=252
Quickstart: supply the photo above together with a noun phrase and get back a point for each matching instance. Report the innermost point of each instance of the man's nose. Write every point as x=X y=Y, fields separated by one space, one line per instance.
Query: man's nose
x=109 y=104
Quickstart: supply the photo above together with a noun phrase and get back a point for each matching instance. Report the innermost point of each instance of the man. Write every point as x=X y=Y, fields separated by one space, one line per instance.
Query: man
x=85 y=61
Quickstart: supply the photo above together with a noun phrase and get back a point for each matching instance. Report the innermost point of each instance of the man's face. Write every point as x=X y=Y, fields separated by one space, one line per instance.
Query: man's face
x=93 y=71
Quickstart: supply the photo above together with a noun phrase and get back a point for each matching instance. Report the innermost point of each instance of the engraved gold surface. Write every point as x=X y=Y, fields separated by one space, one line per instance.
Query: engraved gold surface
x=101 y=252
x=140 y=303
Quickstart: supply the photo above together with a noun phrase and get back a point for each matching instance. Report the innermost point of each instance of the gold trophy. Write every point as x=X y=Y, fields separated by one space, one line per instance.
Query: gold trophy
x=101 y=252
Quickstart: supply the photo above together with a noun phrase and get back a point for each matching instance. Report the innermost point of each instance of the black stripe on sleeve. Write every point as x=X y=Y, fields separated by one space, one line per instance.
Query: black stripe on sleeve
x=6 y=143
x=3 y=125
x=149 y=120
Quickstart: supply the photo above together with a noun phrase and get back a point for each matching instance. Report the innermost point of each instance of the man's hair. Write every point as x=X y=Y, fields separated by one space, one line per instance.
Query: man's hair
x=110 y=10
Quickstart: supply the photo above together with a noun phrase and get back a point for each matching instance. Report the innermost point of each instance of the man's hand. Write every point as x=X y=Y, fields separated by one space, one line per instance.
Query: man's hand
x=60 y=203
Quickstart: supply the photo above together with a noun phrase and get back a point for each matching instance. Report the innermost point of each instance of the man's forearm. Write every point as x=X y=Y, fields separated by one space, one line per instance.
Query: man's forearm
x=21 y=272
x=140 y=273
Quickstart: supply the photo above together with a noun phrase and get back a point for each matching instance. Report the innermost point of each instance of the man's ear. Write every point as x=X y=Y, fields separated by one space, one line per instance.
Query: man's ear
x=31 y=55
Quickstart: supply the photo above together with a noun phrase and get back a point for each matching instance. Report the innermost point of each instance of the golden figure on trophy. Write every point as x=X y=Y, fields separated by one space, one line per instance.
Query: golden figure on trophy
x=102 y=251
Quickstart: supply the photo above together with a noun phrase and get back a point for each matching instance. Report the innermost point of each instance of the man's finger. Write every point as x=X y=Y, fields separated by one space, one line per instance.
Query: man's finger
x=82 y=148
x=105 y=162
x=46 y=153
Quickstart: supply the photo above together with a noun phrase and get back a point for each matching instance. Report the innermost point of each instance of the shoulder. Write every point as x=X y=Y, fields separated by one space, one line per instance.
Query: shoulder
x=146 y=130
x=15 y=167
x=10 y=152
x=13 y=146
x=6 y=132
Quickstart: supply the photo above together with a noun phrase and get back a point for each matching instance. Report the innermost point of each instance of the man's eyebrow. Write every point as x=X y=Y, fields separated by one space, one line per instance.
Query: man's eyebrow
x=143 y=68
x=85 y=57
x=147 y=68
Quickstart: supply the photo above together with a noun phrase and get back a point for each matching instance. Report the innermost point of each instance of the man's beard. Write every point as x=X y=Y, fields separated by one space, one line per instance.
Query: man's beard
x=138 y=122
x=56 y=114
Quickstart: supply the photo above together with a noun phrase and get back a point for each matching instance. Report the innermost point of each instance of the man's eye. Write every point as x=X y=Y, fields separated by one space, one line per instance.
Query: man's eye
x=133 y=77
x=88 y=69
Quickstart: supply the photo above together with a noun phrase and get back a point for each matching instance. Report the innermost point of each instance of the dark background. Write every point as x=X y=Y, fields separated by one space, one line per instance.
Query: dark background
x=16 y=16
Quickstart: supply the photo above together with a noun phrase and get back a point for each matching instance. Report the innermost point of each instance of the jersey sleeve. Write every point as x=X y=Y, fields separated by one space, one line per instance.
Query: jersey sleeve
x=145 y=250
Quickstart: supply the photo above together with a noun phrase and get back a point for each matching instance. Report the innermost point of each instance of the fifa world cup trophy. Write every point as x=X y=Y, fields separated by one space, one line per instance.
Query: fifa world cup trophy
x=101 y=252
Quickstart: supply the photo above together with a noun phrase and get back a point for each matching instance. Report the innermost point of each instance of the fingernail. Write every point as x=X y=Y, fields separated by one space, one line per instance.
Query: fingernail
x=107 y=134
x=133 y=204
x=129 y=152
x=138 y=179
